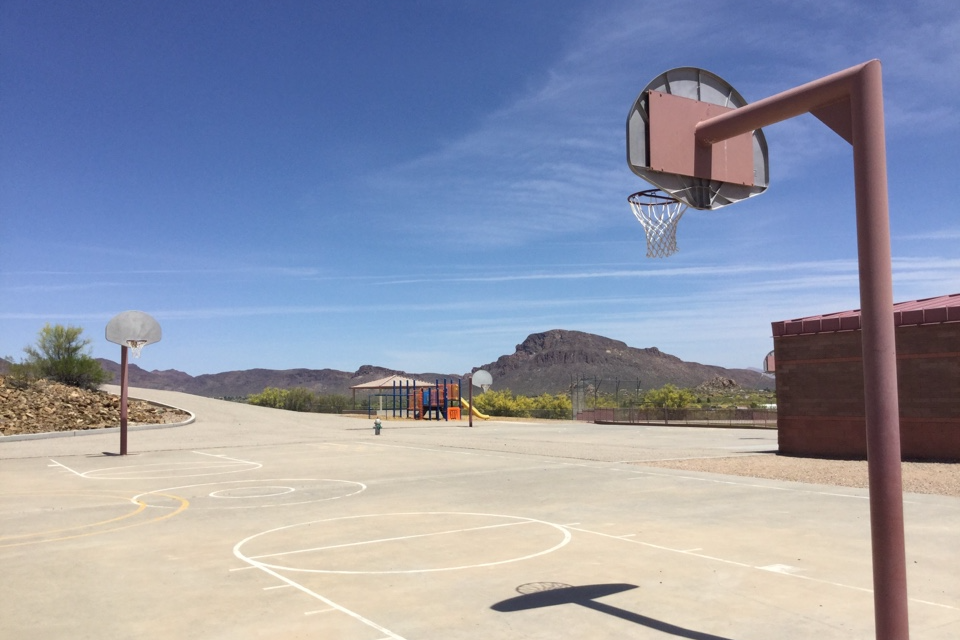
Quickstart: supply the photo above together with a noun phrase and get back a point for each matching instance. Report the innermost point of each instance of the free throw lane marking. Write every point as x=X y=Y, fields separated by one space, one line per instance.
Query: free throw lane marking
x=353 y=614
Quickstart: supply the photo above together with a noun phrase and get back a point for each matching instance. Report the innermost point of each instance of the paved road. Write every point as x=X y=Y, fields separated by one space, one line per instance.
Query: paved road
x=258 y=523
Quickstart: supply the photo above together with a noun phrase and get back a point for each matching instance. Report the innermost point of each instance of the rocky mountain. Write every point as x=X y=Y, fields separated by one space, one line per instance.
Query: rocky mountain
x=548 y=362
x=236 y=384
x=554 y=360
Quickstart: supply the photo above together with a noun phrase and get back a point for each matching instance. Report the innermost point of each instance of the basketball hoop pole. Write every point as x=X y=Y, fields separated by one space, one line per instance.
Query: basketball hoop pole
x=850 y=102
x=123 y=399
x=130 y=329
x=470 y=400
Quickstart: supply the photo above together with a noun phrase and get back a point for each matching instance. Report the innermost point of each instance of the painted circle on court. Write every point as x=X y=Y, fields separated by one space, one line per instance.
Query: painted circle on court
x=266 y=491
x=53 y=516
x=269 y=492
x=421 y=542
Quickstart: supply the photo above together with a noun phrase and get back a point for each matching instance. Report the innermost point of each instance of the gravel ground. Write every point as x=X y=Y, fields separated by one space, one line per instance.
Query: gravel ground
x=918 y=477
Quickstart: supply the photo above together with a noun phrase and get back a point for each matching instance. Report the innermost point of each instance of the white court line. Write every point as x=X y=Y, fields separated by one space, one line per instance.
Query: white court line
x=223 y=457
x=400 y=446
x=353 y=614
x=411 y=537
x=160 y=467
x=563 y=530
x=756 y=486
x=311 y=613
x=675 y=459
x=262 y=481
x=455 y=475
x=480 y=453
x=57 y=464
x=750 y=566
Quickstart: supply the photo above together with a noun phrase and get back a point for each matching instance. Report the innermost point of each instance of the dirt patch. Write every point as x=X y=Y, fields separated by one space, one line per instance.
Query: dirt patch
x=918 y=477
x=44 y=406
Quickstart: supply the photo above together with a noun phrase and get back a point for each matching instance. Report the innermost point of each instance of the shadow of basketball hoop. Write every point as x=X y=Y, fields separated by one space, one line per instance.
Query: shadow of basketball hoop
x=539 y=595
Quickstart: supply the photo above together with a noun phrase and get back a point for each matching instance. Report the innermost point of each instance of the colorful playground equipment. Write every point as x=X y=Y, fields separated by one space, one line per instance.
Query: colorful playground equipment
x=401 y=397
x=440 y=401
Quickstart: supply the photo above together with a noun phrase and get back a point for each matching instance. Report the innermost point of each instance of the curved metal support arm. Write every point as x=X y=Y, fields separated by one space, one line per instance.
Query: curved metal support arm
x=851 y=103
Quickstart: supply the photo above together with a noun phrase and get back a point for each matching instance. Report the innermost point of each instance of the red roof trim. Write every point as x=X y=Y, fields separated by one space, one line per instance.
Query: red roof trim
x=913 y=313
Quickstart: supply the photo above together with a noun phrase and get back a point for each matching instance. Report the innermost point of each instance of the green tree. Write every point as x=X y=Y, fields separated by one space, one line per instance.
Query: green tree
x=503 y=403
x=299 y=399
x=332 y=403
x=269 y=397
x=62 y=355
x=670 y=397
x=555 y=407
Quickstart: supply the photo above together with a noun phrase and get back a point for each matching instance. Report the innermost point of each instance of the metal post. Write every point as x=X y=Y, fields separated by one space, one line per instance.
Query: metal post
x=470 y=399
x=851 y=103
x=123 y=400
x=881 y=400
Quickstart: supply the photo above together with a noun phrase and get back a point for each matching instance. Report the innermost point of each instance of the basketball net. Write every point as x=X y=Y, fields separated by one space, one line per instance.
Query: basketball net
x=659 y=214
x=136 y=346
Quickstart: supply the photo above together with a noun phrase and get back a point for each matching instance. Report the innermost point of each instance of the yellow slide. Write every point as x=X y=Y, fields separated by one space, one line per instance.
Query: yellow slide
x=466 y=404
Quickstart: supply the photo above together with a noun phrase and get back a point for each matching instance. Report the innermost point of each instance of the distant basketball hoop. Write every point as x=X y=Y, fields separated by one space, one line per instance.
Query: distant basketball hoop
x=132 y=330
x=479 y=378
x=482 y=379
x=769 y=364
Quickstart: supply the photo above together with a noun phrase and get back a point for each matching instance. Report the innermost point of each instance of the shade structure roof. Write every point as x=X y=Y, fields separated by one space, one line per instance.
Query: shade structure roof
x=915 y=312
x=392 y=381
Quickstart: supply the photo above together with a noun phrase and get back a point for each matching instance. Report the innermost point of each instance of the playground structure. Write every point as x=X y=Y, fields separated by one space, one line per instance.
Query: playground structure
x=439 y=402
x=408 y=398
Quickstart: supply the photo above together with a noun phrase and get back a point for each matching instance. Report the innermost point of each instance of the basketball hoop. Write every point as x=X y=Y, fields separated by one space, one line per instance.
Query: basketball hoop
x=136 y=346
x=659 y=214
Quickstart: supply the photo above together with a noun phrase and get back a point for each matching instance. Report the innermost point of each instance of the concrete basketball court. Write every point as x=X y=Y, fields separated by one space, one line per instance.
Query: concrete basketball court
x=259 y=523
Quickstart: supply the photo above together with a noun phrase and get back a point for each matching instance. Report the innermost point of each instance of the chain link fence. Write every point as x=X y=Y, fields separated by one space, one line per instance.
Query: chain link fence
x=747 y=418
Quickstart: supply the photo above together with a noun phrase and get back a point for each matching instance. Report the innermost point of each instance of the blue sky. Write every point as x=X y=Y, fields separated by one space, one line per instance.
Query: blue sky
x=421 y=185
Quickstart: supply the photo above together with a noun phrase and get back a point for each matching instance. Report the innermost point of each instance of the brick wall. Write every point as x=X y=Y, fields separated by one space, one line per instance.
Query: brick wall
x=820 y=392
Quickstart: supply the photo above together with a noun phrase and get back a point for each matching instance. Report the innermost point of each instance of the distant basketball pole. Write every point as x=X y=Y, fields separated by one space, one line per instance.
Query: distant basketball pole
x=851 y=103
x=131 y=330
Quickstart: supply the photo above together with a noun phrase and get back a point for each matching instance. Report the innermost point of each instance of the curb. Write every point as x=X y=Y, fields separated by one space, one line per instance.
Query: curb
x=684 y=425
x=92 y=432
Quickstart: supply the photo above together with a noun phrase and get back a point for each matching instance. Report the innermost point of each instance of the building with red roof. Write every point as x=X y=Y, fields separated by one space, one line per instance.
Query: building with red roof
x=819 y=372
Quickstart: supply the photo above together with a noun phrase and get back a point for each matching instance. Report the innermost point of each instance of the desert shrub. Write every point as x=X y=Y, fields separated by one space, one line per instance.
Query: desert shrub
x=269 y=397
x=555 y=407
x=298 y=399
x=20 y=375
x=63 y=356
x=669 y=397
x=503 y=403
x=331 y=403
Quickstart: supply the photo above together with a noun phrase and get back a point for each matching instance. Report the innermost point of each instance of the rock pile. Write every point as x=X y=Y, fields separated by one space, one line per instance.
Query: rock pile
x=718 y=384
x=44 y=406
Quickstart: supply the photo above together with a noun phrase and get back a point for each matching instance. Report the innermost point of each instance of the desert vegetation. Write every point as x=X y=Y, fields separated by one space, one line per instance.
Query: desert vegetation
x=504 y=403
x=301 y=399
x=60 y=355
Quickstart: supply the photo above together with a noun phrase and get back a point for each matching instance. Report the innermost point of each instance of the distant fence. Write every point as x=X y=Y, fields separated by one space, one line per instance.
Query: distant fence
x=746 y=418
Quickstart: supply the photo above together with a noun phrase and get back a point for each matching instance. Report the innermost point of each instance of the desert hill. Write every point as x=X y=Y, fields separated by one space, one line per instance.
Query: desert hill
x=553 y=360
x=547 y=362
